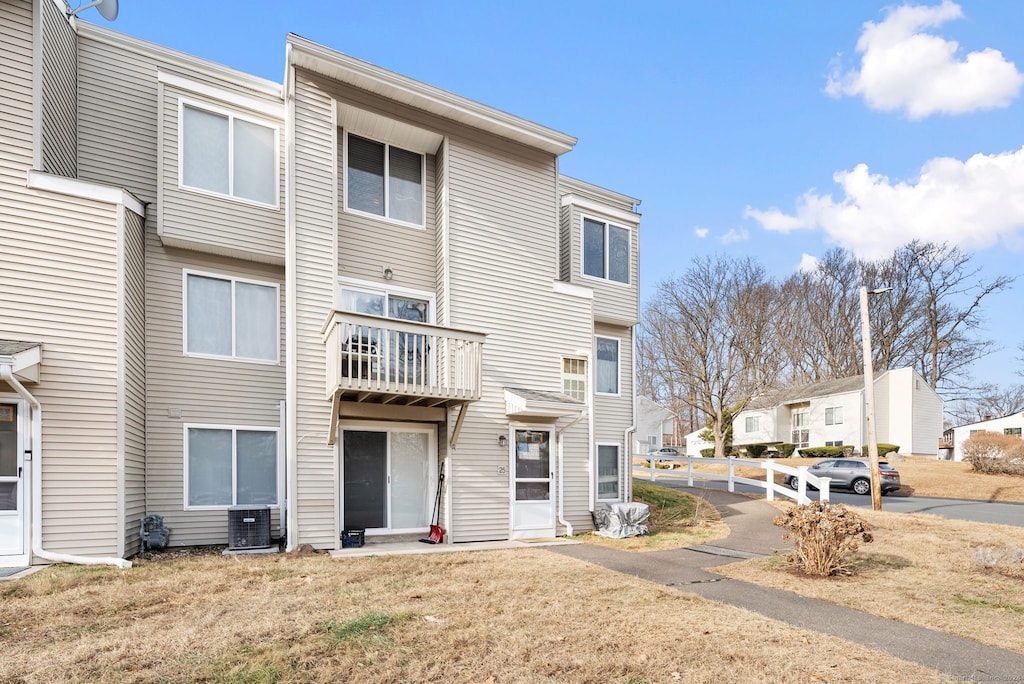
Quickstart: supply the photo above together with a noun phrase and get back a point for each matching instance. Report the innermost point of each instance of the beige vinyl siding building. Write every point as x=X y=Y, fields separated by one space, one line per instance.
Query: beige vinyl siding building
x=381 y=278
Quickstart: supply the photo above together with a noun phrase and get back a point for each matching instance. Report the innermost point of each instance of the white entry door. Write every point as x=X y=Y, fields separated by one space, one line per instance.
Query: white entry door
x=12 y=489
x=533 y=501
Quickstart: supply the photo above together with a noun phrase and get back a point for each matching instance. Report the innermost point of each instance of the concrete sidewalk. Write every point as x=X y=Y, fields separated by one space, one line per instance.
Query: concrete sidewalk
x=752 y=534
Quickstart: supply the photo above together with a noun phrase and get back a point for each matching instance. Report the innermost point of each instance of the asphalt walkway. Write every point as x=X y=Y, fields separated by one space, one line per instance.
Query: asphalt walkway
x=752 y=534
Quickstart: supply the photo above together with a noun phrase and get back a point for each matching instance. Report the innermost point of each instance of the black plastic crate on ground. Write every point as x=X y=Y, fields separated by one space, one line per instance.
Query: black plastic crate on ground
x=352 y=539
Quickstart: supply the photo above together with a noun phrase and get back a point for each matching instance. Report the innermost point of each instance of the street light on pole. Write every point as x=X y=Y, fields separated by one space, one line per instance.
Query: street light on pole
x=869 y=396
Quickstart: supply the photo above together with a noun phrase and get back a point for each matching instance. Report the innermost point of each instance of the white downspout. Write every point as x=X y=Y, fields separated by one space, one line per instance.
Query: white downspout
x=35 y=447
x=561 y=472
x=628 y=479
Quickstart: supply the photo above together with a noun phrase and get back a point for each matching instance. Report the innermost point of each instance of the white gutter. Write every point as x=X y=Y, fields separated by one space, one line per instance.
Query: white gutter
x=561 y=472
x=35 y=448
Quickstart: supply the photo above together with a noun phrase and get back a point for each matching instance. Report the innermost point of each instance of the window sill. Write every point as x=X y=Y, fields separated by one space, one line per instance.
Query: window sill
x=385 y=219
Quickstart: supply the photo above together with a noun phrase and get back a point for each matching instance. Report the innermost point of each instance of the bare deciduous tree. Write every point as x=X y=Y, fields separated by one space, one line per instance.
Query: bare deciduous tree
x=713 y=333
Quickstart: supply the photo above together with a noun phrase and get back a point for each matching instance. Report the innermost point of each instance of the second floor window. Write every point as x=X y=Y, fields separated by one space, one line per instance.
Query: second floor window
x=574 y=378
x=834 y=415
x=228 y=155
x=605 y=251
x=385 y=181
x=231 y=318
x=752 y=424
x=607 y=368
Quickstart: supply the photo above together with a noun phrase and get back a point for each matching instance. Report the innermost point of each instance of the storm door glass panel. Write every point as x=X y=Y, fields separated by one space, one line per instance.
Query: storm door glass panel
x=410 y=477
x=8 y=456
x=255 y=160
x=209 y=467
x=365 y=175
x=256 y=321
x=365 y=485
x=593 y=248
x=533 y=465
x=256 y=467
x=618 y=254
x=405 y=186
x=209 y=316
x=408 y=350
x=204 y=151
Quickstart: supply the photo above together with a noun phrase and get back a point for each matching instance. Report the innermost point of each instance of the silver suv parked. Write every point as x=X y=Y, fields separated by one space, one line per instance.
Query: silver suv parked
x=852 y=473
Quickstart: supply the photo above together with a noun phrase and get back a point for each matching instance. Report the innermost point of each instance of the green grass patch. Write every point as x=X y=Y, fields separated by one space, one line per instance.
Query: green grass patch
x=371 y=624
x=986 y=603
x=669 y=508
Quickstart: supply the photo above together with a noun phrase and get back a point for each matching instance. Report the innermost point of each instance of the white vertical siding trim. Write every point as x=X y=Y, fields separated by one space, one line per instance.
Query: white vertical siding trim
x=122 y=370
x=291 y=358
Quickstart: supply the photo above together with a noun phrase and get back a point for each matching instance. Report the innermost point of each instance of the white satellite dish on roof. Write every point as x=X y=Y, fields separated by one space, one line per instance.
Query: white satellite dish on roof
x=107 y=8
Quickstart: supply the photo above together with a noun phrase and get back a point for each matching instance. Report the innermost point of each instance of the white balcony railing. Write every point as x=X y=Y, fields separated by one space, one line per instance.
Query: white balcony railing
x=385 y=360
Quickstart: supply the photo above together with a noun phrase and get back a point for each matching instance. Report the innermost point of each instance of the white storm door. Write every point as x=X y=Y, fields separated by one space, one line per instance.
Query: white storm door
x=533 y=501
x=12 y=489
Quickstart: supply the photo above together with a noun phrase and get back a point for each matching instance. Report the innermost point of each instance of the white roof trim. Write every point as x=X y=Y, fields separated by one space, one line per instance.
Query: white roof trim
x=24 y=364
x=182 y=60
x=274 y=110
x=345 y=69
x=563 y=287
x=38 y=180
x=618 y=214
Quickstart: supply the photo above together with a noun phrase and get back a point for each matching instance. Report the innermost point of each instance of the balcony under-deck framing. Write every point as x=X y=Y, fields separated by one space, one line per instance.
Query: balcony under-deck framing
x=377 y=360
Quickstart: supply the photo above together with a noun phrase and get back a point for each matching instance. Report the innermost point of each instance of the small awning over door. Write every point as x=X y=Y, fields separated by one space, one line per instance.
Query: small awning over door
x=23 y=358
x=540 y=404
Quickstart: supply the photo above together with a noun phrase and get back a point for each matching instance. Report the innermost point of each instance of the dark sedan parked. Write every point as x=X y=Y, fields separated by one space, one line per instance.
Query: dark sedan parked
x=852 y=473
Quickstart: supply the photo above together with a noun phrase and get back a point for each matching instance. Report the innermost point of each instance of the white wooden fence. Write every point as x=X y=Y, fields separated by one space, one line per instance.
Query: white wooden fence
x=768 y=484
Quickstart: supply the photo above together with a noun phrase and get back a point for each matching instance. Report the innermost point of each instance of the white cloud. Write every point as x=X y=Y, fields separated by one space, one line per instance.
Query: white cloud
x=701 y=233
x=735 y=235
x=903 y=67
x=807 y=263
x=973 y=203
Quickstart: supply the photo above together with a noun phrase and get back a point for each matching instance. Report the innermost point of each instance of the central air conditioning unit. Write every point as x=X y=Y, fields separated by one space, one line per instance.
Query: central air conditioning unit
x=248 y=527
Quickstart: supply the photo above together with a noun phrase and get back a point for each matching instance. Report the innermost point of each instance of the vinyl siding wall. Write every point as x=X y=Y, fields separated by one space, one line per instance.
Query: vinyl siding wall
x=614 y=414
x=316 y=227
x=220 y=225
x=59 y=94
x=884 y=403
x=184 y=389
x=503 y=226
x=133 y=376
x=16 y=90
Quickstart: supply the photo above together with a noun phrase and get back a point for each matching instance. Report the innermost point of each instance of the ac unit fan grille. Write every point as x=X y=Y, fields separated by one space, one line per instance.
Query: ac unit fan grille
x=248 y=528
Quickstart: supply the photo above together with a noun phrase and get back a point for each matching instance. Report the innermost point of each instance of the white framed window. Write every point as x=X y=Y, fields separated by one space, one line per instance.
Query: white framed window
x=801 y=433
x=370 y=298
x=607 y=366
x=834 y=415
x=608 y=472
x=752 y=424
x=229 y=465
x=230 y=317
x=837 y=442
x=605 y=251
x=574 y=377
x=385 y=181
x=1015 y=431
x=226 y=154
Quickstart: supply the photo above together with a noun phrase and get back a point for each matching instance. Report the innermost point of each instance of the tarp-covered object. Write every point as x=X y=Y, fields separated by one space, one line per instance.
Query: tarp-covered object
x=621 y=520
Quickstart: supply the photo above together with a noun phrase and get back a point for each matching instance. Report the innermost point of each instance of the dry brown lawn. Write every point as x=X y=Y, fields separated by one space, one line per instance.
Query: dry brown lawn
x=919 y=475
x=919 y=569
x=502 y=616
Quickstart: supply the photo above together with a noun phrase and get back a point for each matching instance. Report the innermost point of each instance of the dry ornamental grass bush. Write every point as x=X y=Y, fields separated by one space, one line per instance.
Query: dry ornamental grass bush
x=823 y=536
x=991 y=452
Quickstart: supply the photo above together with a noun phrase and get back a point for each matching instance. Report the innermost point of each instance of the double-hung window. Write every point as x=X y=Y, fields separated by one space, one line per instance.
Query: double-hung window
x=608 y=472
x=230 y=317
x=230 y=466
x=228 y=155
x=605 y=251
x=384 y=180
x=752 y=424
x=834 y=415
x=607 y=366
x=574 y=378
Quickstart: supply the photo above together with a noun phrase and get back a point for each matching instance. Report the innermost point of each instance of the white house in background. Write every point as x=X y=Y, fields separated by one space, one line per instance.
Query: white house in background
x=653 y=423
x=1012 y=424
x=908 y=413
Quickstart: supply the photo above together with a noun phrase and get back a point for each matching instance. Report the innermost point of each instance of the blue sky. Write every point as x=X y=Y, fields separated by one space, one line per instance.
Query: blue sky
x=771 y=129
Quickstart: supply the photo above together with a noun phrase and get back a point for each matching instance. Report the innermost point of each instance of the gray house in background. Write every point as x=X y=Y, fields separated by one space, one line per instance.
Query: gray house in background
x=307 y=296
x=654 y=426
